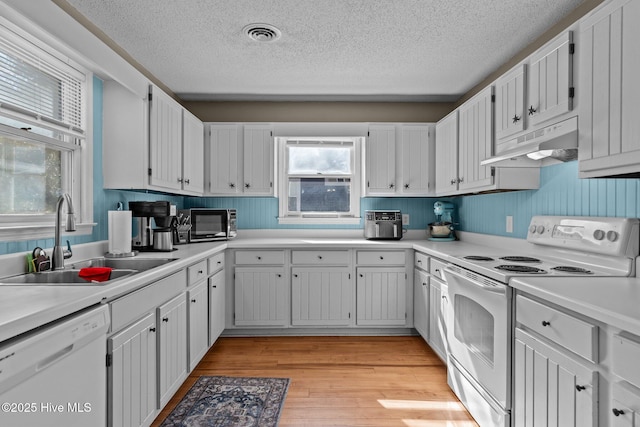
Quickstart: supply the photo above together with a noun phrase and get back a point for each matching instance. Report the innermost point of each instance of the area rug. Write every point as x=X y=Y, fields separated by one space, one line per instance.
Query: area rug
x=230 y=402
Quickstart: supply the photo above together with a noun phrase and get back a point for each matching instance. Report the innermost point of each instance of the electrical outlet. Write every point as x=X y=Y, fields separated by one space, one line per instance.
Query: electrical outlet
x=405 y=219
x=509 y=224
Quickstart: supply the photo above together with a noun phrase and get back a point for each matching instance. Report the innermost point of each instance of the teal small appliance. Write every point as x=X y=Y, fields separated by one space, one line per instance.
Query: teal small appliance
x=442 y=229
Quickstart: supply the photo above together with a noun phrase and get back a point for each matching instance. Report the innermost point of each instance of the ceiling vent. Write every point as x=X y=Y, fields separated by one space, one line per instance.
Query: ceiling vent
x=263 y=33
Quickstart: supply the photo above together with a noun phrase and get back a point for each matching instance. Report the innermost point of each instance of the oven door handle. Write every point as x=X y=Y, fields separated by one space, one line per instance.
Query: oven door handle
x=488 y=286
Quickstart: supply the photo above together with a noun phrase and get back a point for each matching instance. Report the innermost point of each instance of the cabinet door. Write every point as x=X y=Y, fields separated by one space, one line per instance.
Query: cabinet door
x=132 y=387
x=625 y=406
x=223 y=159
x=165 y=141
x=609 y=86
x=551 y=389
x=380 y=165
x=198 y=318
x=216 y=306
x=476 y=141
x=172 y=347
x=417 y=152
x=258 y=159
x=321 y=296
x=550 y=78
x=421 y=303
x=381 y=296
x=192 y=154
x=260 y=297
x=447 y=154
x=438 y=303
x=510 y=102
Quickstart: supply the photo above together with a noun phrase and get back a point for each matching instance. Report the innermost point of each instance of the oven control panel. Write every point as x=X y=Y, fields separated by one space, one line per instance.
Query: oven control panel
x=602 y=235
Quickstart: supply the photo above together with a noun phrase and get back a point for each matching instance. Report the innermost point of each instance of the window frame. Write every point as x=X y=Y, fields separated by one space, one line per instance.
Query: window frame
x=315 y=218
x=79 y=180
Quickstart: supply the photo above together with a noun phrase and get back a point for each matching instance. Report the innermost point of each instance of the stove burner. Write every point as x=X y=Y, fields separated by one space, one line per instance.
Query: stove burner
x=519 y=259
x=520 y=269
x=570 y=269
x=478 y=258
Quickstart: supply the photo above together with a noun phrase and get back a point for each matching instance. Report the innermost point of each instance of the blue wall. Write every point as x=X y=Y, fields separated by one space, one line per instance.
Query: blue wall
x=560 y=193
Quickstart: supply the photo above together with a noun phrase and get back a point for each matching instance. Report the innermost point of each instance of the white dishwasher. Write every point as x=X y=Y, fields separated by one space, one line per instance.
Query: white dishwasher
x=56 y=374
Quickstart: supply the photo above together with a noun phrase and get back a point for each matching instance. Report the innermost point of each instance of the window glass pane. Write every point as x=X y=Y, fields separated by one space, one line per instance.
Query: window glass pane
x=319 y=194
x=319 y=160
x=30 y=177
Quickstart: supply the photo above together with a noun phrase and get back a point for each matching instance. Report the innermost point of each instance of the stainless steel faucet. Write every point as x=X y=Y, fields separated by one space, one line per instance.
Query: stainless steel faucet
x=60 y=254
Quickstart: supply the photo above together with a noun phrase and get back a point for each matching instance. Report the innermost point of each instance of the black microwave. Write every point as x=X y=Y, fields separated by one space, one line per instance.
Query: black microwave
x=209 y=224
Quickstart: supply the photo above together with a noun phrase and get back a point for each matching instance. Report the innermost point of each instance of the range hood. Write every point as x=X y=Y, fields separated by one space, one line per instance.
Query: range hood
x=558 y=141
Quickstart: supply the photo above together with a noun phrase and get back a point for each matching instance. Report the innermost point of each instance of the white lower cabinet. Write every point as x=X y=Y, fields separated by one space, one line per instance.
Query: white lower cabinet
x=550 y=387
x=172 y=347
x=261 y=296
x=421 y=303
x=216 y=306
x=198 y=322
x=321 y=296
x=381 y=296
x=438 y=312
x=131 y=373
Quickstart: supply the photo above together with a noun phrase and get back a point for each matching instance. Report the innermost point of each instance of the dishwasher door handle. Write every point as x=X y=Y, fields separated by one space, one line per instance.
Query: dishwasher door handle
x=54 y=357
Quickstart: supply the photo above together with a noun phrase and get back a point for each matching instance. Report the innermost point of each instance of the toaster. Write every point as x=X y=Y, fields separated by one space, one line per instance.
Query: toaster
x=383 y=225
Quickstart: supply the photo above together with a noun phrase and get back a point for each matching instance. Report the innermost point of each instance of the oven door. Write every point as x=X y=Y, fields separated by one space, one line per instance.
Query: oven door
x=479 y=331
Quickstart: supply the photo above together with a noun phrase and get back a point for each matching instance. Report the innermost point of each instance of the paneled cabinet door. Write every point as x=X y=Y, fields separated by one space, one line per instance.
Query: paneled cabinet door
x=172 y=347
x=321 y=296
x=131 y=373
x=223 y=159
x=550 y=388
x=417 y=162
x=475 y=141
x=381 y=296
x=258 y=160
x=447 y=154
x=550 y=80
x=609 y=87
x=421 y=303
x=165 y=141
x=438 y=307
x=192 y=154
x=625 y=406
x=261 y=296
x=198 y=317
x=216 y=306
x=510 y=102
x=380 y=155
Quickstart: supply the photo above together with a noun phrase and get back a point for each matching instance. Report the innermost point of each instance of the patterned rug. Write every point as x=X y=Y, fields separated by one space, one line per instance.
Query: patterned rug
x=230 y=402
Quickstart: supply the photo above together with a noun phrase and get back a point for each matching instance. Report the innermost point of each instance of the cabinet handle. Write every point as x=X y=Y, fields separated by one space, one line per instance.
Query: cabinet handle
x=460 y=180
x=361 y=275
x=406 y=186
x=437 y=270
x=187 y=181
x=444 y=297
x=319 y=256
x=259 y=258
x=453 y=181
x=193 y=300
x=617 y=412
x=391 y=185
x=381 y=257
x=545 y=323
x=232 y=185
x=200 y=271
x=247 y=185
x=165 y=319
x=214 y=286
x=419 y=261
x=516 y=118
x=532 y=110
x=424 y=284
x=152 y=329
x=280 y=275
x=580 y=387
x=179 y=179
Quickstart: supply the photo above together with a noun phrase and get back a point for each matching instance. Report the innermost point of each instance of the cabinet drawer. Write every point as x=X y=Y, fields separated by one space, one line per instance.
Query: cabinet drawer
x=562 y=328
x=381 y=258
x=626 y=353
x=421 y=261
x=215 y=263
x=437 y=268
x=260 y=257
x=320 y=257
x=132 y=306
x=197 y=272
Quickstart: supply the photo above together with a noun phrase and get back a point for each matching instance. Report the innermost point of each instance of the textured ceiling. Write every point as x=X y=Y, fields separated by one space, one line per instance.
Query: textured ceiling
x=331 y=49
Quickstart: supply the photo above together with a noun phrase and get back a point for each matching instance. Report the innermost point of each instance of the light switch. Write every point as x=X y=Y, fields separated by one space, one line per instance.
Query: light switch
x=405 y=219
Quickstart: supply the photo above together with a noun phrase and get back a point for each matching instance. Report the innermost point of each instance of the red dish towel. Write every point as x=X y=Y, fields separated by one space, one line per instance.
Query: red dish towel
x=95 y=274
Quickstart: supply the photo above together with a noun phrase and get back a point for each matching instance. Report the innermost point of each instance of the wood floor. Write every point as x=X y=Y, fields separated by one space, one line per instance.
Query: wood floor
x=342 y=381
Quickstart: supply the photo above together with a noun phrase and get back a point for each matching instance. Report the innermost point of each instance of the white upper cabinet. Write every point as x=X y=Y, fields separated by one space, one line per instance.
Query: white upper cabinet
x=151 y=144
x=447 y=154
x=380 y=163
x=609 y=86
x=240 y=160
x=510 y=102
x=399 y=160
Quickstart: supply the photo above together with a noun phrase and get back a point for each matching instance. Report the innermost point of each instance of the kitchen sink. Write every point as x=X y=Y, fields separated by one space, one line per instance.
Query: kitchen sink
x=63 y=277
x=133 y=263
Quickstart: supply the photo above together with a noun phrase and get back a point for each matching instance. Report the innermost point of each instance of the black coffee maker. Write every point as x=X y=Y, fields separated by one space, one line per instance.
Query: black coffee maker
x=152 y=239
